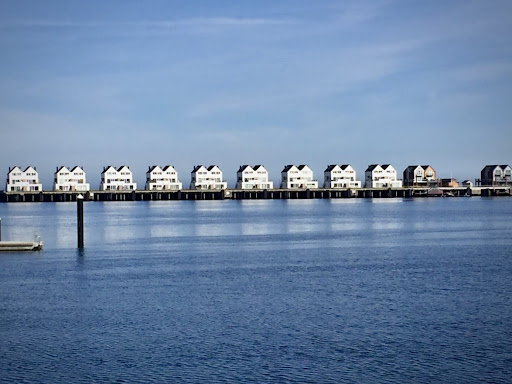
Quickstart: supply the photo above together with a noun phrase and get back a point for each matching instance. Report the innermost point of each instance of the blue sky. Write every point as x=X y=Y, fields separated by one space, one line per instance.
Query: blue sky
x=98 y=83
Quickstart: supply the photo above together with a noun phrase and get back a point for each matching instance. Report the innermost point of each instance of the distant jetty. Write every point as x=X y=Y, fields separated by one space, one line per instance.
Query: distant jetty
x=253 y=194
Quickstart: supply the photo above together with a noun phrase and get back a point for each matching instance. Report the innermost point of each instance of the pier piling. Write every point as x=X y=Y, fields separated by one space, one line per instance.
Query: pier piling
x=80 y=220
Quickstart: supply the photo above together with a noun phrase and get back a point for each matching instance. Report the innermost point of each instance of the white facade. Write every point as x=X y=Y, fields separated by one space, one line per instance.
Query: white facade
x=253 y=178
x=207 y=178
x=496 y=175
x=26 y=181
x=117 y=179
x=340 y=176
x=297 y=177
x=70 y=180
x=161 y=179
x=381 y=176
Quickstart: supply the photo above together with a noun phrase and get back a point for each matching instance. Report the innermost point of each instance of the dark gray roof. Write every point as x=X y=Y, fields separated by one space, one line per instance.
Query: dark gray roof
x=371 y=167
x=105 y=169
x=242 y=168
x=330 y=167
x=287 y=168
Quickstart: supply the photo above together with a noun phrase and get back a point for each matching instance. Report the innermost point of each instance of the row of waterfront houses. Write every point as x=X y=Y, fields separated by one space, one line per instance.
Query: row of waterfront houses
x=250 y=177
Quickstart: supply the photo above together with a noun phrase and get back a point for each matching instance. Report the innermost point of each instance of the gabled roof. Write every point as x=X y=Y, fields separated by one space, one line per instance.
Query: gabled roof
x=386 y=166
x=412 y=168
x=152 y=168
x=16 y=167
x=197 y=168
x=167 y=167
x=371 y=167
x=61 y=168
x=213 y=166
x=258 y=166
x=30 y=167
x=121 y=167
x=345 y=166
x=105 y=169
x=504 y=166
x=243 y=168
x=288 y=167
x=75 y=167
x=425 y=167
x=302 y=166
x=330 y=167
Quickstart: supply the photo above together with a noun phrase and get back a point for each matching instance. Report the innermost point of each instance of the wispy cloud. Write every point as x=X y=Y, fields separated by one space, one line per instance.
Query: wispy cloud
x=218 y=22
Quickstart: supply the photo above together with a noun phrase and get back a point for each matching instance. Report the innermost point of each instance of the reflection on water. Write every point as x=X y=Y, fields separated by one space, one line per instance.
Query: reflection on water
x=347 y=290
x=384 y=221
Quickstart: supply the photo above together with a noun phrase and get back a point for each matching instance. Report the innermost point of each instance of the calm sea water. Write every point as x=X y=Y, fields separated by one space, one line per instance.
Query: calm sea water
x=317 y=291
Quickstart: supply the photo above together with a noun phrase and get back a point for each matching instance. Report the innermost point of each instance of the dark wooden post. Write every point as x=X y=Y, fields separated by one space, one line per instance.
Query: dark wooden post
x=80 y=220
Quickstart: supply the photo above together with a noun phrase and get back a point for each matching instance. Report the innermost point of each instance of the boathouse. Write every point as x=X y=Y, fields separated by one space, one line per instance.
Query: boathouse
x=120 y=179
x=419 y=176
x=162 y=179
x=23 y=181
x=256 y=177
x=298 y=177
x=70 y=180
x=381 y=176
x=496 y=175
x=207 y=178
x=340 y=176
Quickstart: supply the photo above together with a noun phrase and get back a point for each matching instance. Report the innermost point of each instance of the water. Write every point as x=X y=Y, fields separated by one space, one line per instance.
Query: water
x=318 y=291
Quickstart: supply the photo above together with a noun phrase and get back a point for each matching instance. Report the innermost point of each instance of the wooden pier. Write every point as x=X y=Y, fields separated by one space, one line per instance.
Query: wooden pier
x=252 y=194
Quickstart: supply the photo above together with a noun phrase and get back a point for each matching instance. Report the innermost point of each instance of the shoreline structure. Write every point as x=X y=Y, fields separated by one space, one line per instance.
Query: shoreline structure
x=253 y=194
x=297 y=182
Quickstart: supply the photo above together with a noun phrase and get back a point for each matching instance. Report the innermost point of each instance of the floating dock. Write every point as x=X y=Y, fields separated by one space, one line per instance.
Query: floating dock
x=252 y=194
x=20 y=246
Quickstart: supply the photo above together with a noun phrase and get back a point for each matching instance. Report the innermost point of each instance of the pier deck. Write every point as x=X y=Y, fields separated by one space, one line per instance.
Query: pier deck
x=251 y=194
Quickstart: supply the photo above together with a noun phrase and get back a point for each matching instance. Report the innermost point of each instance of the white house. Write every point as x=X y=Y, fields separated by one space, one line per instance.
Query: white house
x=26 y=181
x=70 y=180
x=253 y=178
x=297 y=177
x=159 y=179
x=117 y=179
x=207 y=178
x=340 y=176
x=496 y=175
x=381 y=176
x=419 y=176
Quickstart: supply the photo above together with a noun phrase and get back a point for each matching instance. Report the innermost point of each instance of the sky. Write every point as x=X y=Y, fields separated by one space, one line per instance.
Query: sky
x=140 y=83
